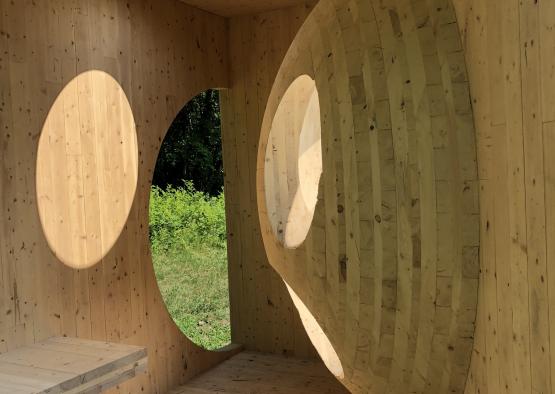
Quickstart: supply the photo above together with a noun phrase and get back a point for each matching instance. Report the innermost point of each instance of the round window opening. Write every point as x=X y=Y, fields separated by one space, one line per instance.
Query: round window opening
x=293 y=163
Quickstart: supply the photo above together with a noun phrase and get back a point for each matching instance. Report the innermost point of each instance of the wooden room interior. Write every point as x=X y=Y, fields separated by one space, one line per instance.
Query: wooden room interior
x=388 y=174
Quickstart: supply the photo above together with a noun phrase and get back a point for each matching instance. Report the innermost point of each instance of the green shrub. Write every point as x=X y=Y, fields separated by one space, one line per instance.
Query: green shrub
x=188 y=237
x=184 y=216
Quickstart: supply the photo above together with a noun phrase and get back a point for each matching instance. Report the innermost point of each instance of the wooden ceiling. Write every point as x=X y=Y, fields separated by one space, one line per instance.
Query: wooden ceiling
x=230 y=8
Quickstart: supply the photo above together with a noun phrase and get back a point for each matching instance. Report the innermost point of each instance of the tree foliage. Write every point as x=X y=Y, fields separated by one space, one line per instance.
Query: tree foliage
x=192 y=149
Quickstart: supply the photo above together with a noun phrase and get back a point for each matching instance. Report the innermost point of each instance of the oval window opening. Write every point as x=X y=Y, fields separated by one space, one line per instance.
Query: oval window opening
x=188 y=224
x=293 y=163
x=87 y=169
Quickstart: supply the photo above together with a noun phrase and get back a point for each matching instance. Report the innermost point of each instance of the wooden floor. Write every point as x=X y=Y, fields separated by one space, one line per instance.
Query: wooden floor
x=254 y=373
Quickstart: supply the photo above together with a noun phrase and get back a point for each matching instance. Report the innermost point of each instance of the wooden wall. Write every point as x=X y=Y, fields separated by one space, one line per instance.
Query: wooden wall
x=161 y=53
x=90 y=137
x=509 y=48
x=243 y=7
x=390 y=266
x=263 y=315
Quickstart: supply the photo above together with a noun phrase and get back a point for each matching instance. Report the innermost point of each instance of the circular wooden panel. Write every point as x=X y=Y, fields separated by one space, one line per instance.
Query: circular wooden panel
x=389 y=267
x=87 y=166
x=293 y=163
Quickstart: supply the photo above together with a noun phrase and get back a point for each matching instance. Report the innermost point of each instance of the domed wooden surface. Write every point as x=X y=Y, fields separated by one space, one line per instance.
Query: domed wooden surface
x=389 y=268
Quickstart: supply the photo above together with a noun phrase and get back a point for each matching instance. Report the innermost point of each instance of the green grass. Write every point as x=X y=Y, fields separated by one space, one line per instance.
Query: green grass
x=187 y=231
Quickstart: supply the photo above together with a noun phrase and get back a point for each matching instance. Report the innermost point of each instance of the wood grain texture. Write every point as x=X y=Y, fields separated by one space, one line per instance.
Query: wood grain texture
x=391 y=264
x=389 y=268
x=161 y=53
x=263 y=316
x=69 y=365
x=243 y=7
x=509 y=52
x=293 y=163
x=87 y=162
x=250 y=372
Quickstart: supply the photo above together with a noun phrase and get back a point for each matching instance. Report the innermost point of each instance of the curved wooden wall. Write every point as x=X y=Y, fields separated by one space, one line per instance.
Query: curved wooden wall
x=162 y=53
x=508 y=48
x=389 y=268
x=293 y=163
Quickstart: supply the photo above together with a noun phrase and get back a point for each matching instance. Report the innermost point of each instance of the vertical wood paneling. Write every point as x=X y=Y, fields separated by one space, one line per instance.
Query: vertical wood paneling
x=162 y=53
x=508 y=46
x=260 y=305
x=509 y=56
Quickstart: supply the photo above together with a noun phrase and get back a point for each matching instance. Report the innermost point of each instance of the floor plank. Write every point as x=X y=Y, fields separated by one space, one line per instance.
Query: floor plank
x=255 y=373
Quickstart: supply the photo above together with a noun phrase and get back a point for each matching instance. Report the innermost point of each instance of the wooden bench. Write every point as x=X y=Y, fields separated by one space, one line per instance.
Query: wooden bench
x=69 y=365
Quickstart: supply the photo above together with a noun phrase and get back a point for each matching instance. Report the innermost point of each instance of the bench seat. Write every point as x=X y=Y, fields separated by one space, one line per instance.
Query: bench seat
x=69 y=365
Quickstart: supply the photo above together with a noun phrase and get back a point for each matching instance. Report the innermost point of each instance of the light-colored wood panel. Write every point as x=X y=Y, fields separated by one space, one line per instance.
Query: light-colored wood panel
x=69 y=365
x=97 y=150
x=251 y=372
x=52 y=54
x=392 y=73
x=393 y=94
x=242 y=7
x=509 y=57
x=260 y=303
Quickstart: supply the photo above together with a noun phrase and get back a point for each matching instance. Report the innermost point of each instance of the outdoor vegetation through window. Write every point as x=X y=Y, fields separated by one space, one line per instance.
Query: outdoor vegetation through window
x=187 y=224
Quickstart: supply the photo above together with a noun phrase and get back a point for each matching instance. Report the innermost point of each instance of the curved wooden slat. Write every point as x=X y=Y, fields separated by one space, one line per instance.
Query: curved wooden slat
x=398 y=298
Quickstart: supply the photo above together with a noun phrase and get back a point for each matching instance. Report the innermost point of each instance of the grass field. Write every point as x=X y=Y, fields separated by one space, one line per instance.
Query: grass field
x=187 y=231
